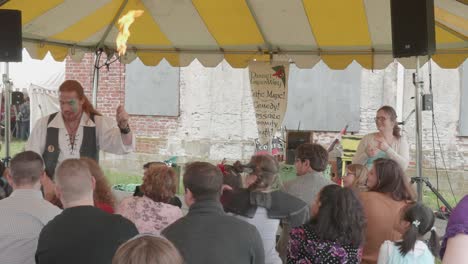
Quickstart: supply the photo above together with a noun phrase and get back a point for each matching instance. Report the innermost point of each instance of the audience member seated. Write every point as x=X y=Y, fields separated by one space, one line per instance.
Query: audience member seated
x=232 y=178
x=232 y=174
x=174 y=200
x=455 y=243
x=103 y=197
x=387 y=143
x=417 y=221
x=264 y=207
x=334 y=234
x=82 y=233
x=389 y=192
x=147 y=249
x=5 y=188
x=356 y=177
x=311 y=161
x=151 y=213
x=207 y=235
x=24 y=213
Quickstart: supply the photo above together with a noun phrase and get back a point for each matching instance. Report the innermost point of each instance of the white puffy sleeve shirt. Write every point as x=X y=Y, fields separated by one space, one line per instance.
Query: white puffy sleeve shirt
x=108 y=136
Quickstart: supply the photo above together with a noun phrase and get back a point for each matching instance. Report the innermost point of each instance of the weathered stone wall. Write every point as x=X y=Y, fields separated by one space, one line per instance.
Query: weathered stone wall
x=217 y=118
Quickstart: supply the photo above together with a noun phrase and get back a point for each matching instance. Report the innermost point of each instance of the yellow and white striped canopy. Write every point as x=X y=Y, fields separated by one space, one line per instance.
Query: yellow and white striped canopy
x=303 y=31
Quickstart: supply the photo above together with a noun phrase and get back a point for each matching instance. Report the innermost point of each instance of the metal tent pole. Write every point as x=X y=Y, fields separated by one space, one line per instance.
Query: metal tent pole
x=7 y=91
x=417 y=96
x=95 y=79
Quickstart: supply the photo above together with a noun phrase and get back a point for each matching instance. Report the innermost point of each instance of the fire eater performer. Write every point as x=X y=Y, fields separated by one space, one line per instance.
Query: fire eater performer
x=78 y=130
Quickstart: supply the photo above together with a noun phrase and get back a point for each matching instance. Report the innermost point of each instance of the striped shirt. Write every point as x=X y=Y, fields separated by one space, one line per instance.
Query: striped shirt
x=23 y=215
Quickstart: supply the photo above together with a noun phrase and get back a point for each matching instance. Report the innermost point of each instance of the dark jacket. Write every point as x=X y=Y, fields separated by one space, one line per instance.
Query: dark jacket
x=208 y=235
x=83 y=234
x=278 y=204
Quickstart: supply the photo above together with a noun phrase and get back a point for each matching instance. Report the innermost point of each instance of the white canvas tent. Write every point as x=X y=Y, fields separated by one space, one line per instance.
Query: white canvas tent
x=40 y=79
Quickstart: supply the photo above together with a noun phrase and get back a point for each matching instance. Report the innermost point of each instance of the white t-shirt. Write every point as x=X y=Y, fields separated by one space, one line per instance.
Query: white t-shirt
x=268 y=229
x=390 y=254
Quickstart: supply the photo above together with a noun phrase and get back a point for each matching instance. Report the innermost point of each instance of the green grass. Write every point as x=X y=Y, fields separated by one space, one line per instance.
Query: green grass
x=114 y=176
x=118 y=177
x=430 y=199
x=16 y=146
x=287 y=173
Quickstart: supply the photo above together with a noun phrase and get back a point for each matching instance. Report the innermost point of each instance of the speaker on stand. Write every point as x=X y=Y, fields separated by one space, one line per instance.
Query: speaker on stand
x=11 y=46
x=413 y=34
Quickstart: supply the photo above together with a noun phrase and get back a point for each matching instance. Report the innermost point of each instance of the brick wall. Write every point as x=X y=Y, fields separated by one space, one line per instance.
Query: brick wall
x=151 y=131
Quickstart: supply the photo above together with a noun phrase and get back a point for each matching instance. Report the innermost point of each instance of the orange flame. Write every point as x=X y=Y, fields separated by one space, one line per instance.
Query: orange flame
x=124 y=24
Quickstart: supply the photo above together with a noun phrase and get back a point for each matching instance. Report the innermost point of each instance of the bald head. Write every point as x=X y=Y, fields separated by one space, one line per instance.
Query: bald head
x=74 y=181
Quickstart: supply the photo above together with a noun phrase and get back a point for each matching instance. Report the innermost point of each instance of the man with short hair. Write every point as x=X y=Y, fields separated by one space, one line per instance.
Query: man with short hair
x=311 y=160
x=82 y=233
x=207 y=234
x=24 y=213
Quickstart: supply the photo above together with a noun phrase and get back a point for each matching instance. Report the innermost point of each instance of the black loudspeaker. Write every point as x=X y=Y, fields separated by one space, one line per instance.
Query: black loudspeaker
x=295 y=139
x=11 y=44
x=413 y=32
x=17 y=98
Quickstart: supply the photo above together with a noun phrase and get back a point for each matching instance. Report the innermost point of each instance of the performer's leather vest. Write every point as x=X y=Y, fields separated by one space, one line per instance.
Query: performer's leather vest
x=52 y=150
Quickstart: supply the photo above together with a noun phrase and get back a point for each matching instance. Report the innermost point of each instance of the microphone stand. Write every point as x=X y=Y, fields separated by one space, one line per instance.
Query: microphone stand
x=419 y=179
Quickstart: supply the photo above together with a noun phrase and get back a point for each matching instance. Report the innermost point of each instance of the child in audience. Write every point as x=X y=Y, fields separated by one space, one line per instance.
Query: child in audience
x=417 y=221
x=145 y=249
x=389 y=193
x=356 y=177
x=335 y=233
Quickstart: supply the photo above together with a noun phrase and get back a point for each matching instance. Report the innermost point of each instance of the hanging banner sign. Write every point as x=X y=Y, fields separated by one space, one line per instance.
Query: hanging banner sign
x=276 y=147
x=269 y=85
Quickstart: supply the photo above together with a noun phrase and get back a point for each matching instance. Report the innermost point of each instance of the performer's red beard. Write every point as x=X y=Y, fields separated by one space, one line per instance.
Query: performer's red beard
x=70 y=116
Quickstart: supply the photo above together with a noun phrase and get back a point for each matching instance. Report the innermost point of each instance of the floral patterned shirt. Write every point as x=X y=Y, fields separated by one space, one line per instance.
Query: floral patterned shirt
x=147 y=215
x=306 y=248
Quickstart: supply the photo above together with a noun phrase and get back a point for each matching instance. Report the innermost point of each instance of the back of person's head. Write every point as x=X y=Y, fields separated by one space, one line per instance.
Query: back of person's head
x=232 y=175
x=204 y=180
x=159 y=183
x=2 y=168
x=391 y=180
x=74 y=181
x=315 y=154
x=420 y=220
x=393 y=117
x=145 y=249
x=102 y=190
x=75 y=86
x=5 y=188
x=147 y=165
x=360 y=174
x=26 y=168
x=340 y=216
x=265 y=168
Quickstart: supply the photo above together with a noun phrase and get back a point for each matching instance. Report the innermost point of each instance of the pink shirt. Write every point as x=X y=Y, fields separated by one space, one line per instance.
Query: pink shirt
x=147 y=215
